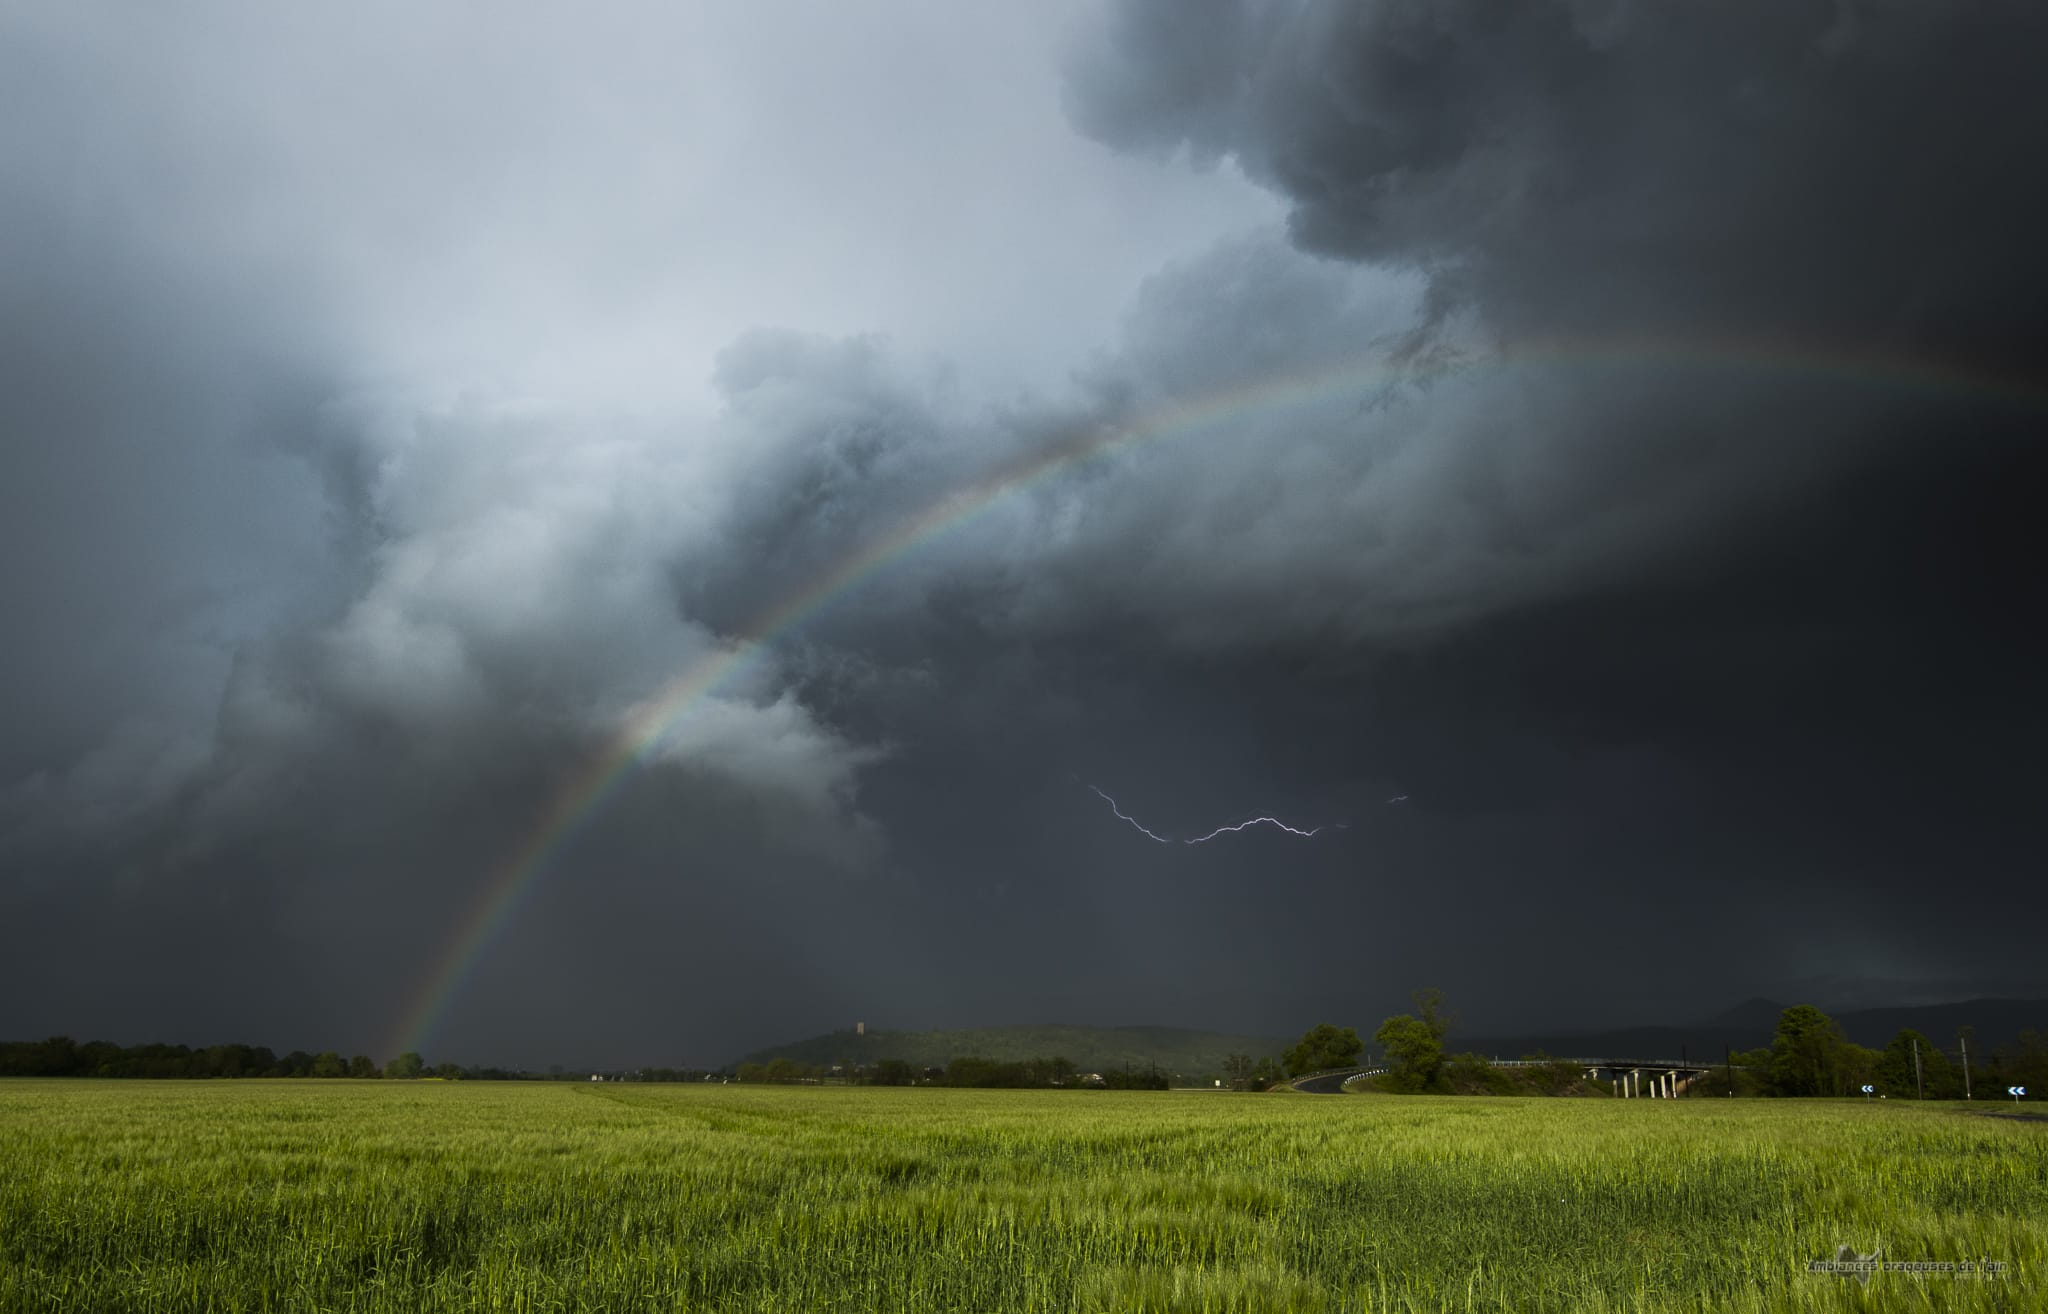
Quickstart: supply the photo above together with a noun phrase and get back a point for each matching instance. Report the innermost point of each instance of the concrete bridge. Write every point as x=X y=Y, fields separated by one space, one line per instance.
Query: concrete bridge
x=1627 y=1078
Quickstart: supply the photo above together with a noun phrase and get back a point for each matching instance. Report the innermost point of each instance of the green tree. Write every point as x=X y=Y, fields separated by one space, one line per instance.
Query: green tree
x=1856 y=1066
x=1414 y=1050
x=1894 y=1069
x=2023 y=1065
x=362 y=1066
x=1237 y=1069
x=59 y=1057
x=1321 y=1047
x=406 y=1066
x=1429 y=1007
x=1806 y=1053
x=329 y=1064
x=1944 y=1075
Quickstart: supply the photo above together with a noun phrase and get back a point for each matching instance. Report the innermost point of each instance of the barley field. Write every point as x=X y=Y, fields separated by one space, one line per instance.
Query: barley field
x=412 y=1196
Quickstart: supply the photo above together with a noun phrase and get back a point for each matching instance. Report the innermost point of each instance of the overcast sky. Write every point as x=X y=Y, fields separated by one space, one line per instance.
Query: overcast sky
x=1582 y=460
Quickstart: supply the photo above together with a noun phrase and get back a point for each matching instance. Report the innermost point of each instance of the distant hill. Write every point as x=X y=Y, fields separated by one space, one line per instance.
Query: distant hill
x=1998 y=1021
x=1173 y=1050
x=1751 y=1023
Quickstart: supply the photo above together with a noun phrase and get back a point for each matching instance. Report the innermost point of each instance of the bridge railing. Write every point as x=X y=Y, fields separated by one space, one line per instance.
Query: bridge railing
x=1349 y=1074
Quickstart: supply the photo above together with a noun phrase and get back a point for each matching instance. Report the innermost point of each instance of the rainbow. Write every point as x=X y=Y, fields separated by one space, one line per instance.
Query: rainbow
x=501 y=895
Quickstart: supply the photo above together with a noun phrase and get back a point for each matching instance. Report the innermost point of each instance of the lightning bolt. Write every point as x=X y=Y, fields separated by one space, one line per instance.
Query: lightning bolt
x=1221 y=830
x=1133 y=820
x=1398 y=798
x=1273 y=821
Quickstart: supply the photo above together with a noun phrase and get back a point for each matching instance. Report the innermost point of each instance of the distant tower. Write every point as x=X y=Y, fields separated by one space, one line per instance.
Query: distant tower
x=860 y=1028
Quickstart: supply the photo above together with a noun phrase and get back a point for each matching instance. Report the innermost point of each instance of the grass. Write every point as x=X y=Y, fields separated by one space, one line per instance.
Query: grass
x=412 y=1196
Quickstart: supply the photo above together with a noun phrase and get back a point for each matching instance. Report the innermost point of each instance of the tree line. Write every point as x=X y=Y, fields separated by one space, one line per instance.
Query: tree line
x=1808 y=1056
x=1321 y=1048
x=61 y=1056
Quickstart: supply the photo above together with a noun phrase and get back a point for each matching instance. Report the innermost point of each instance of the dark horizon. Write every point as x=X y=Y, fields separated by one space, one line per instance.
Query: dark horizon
x=647 y=524
x=1997 y=1022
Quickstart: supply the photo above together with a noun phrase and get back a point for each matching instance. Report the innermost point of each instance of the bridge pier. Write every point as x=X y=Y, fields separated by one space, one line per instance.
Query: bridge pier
x=1657 y=1080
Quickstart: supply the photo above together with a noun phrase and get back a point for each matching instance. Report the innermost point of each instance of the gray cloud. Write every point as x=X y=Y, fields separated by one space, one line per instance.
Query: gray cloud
x=381 y=447
x=1840 y=168
x=1732 y=245
x=1738 y=197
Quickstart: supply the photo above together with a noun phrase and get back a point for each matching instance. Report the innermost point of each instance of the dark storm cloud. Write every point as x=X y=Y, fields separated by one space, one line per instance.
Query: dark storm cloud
x=1762 y=168
x=322 y=617
x=1808 y=182
x=1793 y=587
x=1795 y=181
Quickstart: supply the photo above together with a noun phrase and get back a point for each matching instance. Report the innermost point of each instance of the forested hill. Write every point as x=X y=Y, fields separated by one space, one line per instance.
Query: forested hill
x=1172 y=1050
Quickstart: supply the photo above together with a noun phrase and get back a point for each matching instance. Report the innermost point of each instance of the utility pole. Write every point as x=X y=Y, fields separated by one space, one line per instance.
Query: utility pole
x=1728 y=1061
x=1963 y=1037
x=1919 y=1090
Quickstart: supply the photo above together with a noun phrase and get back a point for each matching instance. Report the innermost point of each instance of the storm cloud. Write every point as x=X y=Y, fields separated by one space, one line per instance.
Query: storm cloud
x=1612 y=427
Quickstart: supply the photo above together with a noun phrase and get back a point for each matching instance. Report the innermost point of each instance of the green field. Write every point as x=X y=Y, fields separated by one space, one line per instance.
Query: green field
x=406 y=1196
